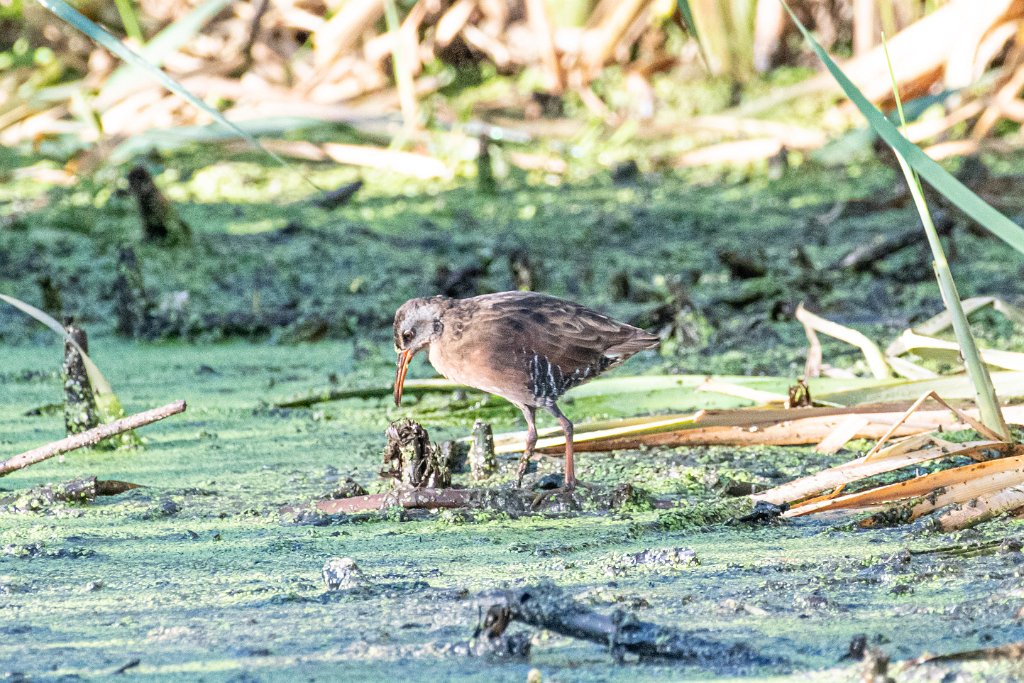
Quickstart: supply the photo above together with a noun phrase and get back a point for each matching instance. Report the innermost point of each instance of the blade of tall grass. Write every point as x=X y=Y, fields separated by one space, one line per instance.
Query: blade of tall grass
x=164 y=43
x=687 y=13
x=107 y=402
x=105 y=39
x=985 y=393
x=129 y=20
x=100 y=385
x=940 y=179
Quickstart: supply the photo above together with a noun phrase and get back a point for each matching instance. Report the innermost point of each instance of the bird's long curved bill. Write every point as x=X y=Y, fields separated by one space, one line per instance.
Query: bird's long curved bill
x=403 y=367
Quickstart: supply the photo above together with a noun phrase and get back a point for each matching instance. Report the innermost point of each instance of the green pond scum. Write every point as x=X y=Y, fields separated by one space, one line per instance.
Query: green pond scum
x=212 y=569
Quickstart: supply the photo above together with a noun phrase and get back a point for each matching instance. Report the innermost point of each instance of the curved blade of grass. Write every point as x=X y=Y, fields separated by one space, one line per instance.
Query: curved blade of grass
x=400 y=66
x=940 y=179
x=107 y=403
x=100 y=385
x=130 y=21
x=102 y=37
x=985 y=393
x=687 y=13
x=166 y=42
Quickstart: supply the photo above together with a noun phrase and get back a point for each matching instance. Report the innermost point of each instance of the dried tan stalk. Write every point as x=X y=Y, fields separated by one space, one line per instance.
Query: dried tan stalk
x=407 y=163
x=739 y=152
x=845 y=431
x=1004 y=104
x=982 y=508
x=858 y=469
x=943 y=321
x=491 y=46
x=728 y=389
x=941 y=488
x=911 y=341
x=876 y=361
x=926 y=129
x=915 y=406
x=340 y=33
x=540 y=24
x=451 y=22
x=758 y=426
x=599 y=42
x=909 y=370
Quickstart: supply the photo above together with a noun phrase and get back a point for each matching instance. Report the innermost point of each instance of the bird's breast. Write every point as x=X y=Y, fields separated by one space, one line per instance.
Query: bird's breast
x=483 y=368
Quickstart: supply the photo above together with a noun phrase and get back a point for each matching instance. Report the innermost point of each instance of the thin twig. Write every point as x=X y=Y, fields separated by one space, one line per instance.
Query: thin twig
x=90 y=438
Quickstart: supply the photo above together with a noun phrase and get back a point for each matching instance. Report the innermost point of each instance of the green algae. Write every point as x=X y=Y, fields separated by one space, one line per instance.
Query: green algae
x=200 y=575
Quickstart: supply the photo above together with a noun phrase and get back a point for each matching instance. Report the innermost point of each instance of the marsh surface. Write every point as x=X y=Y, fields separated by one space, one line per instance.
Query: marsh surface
x=200 y=575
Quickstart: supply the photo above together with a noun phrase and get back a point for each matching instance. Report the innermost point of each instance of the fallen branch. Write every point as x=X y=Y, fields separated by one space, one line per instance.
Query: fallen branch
x=90 y=438
x=82 y=490
x=866 y=256
x=547 y=607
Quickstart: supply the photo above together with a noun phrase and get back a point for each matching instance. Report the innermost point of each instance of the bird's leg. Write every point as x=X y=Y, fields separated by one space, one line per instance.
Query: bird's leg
x=569 y=481
x=531 y=442
x=570 y=468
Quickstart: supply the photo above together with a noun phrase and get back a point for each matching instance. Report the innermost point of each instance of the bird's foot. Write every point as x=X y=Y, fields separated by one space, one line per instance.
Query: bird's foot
x=562 y=492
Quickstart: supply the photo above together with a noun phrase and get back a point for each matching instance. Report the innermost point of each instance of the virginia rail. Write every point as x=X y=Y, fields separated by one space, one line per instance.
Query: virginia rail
x=527 y=348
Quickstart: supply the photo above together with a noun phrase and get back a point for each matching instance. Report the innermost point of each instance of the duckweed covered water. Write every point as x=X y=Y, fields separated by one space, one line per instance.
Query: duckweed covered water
x=200 y=575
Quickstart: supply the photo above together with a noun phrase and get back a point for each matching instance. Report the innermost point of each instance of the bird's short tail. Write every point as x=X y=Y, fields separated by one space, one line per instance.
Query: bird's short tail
x=640 y=341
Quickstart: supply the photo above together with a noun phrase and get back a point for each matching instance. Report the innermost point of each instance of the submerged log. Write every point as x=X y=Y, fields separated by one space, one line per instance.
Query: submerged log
x=512 y=501
x=81 y=490
x=546 y=606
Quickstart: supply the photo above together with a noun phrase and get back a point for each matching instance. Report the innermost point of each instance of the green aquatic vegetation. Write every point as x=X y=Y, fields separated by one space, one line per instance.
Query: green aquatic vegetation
x=201 y=574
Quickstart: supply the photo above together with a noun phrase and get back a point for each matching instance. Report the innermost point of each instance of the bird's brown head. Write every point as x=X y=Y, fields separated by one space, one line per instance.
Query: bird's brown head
x=417 y=324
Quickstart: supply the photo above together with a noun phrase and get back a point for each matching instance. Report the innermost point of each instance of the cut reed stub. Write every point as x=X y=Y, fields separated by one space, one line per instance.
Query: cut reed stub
x=80 y=413
x=482 y=460
x=131 y=303
x=160 y=222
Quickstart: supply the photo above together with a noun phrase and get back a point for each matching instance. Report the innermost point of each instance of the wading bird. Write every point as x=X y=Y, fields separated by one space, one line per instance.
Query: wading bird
x=527 y=348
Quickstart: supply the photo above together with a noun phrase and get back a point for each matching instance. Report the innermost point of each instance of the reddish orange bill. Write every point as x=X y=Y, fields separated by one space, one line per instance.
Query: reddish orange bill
x=403 y=367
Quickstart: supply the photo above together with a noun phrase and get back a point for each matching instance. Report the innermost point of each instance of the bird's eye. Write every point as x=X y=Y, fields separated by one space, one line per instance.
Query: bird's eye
x=407 y=336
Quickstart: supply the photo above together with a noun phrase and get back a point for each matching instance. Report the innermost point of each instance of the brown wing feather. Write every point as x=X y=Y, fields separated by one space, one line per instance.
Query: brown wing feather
x=542 y=344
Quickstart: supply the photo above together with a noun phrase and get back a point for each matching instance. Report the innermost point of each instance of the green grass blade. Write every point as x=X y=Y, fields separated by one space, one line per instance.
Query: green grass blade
x=940 y=179
x=129 y=20
x=687 y=13
x=100 y=36
x=985 y=393
x=100 y=385
x=166 y=42
x=108 y=405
